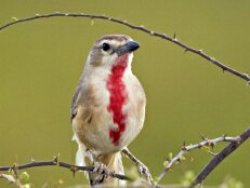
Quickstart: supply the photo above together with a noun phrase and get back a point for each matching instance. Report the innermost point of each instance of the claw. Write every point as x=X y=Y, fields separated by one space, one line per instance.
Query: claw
x=100 y=168
x=143 y=170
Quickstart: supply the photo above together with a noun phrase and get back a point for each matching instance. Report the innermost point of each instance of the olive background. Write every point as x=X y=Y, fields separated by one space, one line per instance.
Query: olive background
x=41 y=61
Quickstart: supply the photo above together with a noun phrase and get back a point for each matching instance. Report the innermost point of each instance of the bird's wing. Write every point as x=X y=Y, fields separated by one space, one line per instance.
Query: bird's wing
x=74 y=104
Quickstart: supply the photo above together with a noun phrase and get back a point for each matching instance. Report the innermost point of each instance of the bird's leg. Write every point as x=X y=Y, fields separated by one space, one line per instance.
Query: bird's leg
x=142 y=168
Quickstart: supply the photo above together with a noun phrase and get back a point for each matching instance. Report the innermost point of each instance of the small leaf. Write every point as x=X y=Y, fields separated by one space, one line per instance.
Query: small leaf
x=165 y=163
x=24 y=177
x=26 y=185
x=183 y=158
x=155 y=179
x=206 y=148
x=14 y=18
x=170 y=155
x=187 y=178
x=132 y=173
x=92 y=22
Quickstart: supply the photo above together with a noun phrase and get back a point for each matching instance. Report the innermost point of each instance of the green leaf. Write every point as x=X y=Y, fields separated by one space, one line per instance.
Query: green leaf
x=165 y=163
x=170 y=155
x=24 y=177
x=14 y=18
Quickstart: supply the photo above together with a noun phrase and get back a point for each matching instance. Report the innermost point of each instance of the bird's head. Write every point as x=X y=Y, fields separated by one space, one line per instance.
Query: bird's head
x=111 y=50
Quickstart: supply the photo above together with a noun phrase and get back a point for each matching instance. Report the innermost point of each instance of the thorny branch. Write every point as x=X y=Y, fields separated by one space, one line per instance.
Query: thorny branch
x=185 y=149
x=141 y=28
x=235 y=142
x=55 y=162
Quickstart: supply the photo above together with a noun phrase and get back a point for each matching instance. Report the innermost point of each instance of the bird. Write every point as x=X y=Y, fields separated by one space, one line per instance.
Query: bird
x=108 y=107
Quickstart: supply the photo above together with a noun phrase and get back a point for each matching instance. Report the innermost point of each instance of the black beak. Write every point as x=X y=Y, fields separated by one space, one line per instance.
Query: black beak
x=127 y=48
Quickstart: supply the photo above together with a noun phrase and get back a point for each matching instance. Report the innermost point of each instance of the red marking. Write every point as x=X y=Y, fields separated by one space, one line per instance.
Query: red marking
x=118 y=97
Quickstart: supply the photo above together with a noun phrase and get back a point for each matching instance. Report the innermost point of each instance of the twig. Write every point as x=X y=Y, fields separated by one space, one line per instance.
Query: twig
x=75 y=168
x=54 y=162
x=142 y=168
x=185 y=149
x=12 y=179
x=164 y=36
x=221 y=156
x=29 y=165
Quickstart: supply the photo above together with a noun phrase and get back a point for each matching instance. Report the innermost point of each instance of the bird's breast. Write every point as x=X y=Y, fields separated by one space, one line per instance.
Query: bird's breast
x=118 y=98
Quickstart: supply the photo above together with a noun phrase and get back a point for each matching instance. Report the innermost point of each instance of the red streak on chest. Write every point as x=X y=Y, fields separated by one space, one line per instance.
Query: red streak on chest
x=118 y=97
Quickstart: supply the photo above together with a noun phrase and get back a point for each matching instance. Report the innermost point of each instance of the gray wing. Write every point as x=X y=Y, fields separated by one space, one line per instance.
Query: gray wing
x=74 y=104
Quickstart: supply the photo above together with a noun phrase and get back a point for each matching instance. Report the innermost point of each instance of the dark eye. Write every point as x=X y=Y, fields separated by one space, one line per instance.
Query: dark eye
x=105 y=46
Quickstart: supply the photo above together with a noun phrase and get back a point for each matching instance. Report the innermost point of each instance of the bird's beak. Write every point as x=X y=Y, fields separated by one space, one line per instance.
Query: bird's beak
x=127 y=48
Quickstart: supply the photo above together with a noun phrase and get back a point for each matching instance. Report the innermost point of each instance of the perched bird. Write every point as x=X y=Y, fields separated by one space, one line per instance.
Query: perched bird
x=108 y=107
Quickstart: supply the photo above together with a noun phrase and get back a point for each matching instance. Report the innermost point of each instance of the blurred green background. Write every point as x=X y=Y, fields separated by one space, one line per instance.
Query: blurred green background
x=41 y=61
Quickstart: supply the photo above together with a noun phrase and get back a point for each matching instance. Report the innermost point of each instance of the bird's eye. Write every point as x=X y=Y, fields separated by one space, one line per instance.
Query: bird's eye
x=105 y=46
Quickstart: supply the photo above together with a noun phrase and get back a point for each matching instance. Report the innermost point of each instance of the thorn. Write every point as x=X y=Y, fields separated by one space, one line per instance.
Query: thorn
x=66 y=14
x=178 y=160
x=212 y=144
x=174 y=36
x=14 y=169
x=152 y=32
x=186 y=50
x=56 y=160
x=73 y=169
x=224 y=136
x=183 y=147
x=203 y=138
x=223 y=70
x=37 y=14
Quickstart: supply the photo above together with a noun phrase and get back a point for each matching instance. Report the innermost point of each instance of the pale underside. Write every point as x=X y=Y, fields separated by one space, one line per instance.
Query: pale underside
x=93 y=120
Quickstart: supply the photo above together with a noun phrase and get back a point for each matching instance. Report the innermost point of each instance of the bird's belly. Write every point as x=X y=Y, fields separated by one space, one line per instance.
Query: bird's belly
x=96 y=135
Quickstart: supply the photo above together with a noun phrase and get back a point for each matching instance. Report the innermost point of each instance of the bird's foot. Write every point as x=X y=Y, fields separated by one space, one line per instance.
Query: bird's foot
x=100 y=168
x=143 y=170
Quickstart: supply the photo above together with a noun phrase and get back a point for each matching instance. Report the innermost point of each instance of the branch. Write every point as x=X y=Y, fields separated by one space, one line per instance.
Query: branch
x=205 y=143
x=54 y=162
x=164 y=36
x=220 y=157
x=11 y=179
x=142 y=168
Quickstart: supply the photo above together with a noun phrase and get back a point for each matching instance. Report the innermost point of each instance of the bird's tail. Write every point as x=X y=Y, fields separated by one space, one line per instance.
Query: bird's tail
x=113 y=163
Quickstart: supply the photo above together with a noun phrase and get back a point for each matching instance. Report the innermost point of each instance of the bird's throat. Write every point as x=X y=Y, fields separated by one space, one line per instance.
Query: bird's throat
x=118 y=97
